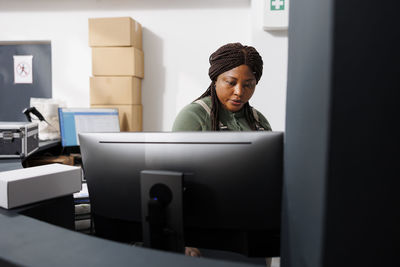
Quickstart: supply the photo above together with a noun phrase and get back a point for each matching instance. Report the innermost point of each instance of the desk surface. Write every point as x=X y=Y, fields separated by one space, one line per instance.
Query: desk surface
x=10 y=164
x=43 y=145
x=26 y=241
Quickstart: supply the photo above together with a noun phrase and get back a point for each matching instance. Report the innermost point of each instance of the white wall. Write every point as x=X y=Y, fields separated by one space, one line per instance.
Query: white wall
x=178 y=37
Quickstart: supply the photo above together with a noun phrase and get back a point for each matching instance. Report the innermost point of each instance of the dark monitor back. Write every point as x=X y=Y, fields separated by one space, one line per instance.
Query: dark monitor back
x=232 y=180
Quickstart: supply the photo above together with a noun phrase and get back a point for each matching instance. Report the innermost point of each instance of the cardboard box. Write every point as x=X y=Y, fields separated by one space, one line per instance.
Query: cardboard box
x=121 y=90
x=25 y=186
x=130 y=116
x=117 y=61
x=123 y=31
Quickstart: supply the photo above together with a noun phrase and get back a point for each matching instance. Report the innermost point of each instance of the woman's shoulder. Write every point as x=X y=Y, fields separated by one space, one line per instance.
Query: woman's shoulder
x=199 y=106
x=203 y=103
x=262 y=119
x=193 y=117
x=206 y=100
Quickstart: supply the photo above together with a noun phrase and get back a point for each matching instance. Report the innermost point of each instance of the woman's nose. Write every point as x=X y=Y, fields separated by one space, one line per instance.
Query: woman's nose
x=238 y=90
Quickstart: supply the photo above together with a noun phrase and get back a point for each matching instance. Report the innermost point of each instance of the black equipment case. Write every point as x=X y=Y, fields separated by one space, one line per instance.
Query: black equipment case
x=18 y=139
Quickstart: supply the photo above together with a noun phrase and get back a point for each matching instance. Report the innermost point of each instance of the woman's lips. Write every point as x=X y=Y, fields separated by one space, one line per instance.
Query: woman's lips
x=236 y=102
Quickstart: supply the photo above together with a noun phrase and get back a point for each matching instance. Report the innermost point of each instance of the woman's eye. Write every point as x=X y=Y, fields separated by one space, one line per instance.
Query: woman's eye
x=249 y=85
x=230 y=83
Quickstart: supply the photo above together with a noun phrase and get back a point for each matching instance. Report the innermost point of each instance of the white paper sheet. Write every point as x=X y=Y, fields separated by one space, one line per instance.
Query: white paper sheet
x=23 y=69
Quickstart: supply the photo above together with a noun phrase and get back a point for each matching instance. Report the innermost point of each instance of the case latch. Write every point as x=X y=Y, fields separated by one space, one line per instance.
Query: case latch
x=7 y=136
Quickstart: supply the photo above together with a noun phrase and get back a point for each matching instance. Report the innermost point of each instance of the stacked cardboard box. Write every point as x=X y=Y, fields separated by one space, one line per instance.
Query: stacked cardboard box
x=117 y=68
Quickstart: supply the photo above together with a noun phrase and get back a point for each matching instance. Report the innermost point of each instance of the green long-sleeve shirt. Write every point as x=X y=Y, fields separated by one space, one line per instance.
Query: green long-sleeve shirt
x=194 y=117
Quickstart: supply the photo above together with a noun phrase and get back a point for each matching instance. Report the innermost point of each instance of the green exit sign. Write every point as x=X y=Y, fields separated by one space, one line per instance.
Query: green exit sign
x=277 y=5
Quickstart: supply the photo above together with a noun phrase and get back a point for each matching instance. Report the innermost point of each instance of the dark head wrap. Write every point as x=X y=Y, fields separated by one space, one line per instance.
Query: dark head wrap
x=232 y=55
x=227 y=57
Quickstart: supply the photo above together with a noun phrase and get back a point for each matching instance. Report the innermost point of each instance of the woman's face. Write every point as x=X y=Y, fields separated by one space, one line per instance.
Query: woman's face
x=235 y=87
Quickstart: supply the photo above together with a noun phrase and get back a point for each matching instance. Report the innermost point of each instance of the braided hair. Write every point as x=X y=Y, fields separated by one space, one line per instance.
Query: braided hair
x=225 y=58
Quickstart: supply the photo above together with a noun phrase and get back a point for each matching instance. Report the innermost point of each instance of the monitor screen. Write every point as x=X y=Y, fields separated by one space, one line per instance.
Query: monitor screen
x=80 y=120
x=232 y=183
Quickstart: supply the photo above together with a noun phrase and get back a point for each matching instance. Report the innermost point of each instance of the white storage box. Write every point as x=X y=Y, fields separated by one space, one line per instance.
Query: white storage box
x=25 y=186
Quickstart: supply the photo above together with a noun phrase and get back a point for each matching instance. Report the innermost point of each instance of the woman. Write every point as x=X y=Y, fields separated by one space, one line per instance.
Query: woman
x=234 y=72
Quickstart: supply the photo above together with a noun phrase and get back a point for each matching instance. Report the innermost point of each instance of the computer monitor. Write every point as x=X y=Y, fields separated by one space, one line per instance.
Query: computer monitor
x=80 y=120
x=232 y=185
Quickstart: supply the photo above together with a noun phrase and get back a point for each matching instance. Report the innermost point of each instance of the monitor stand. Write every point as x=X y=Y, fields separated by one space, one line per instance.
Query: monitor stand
x=162 y=219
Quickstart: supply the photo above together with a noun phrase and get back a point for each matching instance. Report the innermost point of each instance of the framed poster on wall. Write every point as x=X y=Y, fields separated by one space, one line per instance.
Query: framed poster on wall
x=276 y=15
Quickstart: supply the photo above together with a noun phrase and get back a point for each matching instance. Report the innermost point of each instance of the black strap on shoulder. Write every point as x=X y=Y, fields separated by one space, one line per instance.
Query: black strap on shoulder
x=257 y=118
